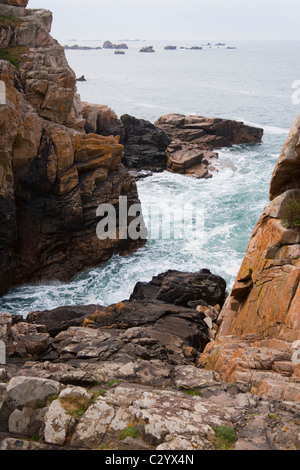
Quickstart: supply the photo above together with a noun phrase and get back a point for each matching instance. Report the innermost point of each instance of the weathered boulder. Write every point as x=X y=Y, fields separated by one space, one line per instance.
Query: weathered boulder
x=22 y=339
x=102 y=120
x=25 y=394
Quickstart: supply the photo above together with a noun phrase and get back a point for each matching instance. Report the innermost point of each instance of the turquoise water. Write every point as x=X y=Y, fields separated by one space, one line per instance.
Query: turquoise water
x=252 y=83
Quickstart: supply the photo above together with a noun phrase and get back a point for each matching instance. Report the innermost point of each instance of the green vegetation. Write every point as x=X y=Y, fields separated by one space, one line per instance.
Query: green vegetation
x=225 y=437
x=291 y=214
x=10 y=21
x=193 y=393
x=13 y=54
x=112 y=382
x=273 y=416
x=130 y=431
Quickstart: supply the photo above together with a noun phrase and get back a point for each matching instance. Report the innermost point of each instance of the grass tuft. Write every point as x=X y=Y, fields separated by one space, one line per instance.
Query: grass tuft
x=291 y=214
x=130 y=431
x=225 y=437
x=13 y=55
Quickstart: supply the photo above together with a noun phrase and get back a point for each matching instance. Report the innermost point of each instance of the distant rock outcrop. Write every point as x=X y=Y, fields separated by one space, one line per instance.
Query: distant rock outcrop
x=110 y=45
x=147 y=49
x=75 y=47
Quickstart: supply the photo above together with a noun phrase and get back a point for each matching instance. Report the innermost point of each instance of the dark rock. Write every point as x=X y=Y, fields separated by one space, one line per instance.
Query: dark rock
x=178 y=288
x=145 y=145
x=166 y=321
x=62 y=318
x=81 y=79
x=170 y=48
x=119 y=52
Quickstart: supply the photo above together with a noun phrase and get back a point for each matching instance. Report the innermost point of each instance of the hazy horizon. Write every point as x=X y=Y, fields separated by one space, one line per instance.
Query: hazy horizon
x=173 y=19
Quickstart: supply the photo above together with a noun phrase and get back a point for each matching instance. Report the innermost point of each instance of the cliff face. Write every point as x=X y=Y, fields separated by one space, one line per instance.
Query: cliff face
x=53 y=175
x=260 y=322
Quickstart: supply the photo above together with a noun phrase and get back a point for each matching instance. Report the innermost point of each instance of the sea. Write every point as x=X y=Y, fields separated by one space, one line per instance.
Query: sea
x=254 y=82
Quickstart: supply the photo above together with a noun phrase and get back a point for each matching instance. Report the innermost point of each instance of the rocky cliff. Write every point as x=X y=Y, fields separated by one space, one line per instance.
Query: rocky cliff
x=258 y=341
x=53 y=174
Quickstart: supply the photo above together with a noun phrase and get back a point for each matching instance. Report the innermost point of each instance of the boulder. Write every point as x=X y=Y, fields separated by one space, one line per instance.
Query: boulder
x=102 y=120
x=184 y=289
x=26 y=394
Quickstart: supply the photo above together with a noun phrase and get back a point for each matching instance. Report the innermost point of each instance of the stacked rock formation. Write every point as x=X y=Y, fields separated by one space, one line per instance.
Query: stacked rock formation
x=53 y=174
x=194 y=139
x=259 y=339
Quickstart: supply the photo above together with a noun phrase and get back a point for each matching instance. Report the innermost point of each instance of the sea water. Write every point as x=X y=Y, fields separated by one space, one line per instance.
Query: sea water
x=252 y=83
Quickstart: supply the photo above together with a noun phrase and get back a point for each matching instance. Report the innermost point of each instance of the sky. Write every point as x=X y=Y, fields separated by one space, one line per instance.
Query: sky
x=174 y=19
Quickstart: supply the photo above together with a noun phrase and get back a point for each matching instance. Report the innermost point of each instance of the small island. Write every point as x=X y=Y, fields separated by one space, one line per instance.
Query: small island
x=110 y=45
x=147 y=49
x=81 y=48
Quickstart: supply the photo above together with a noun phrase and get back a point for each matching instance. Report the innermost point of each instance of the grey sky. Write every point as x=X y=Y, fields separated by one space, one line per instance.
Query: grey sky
x=173 y=19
